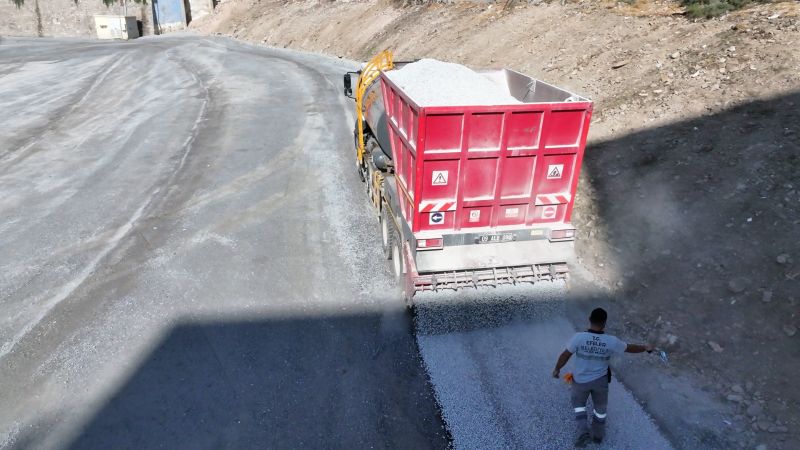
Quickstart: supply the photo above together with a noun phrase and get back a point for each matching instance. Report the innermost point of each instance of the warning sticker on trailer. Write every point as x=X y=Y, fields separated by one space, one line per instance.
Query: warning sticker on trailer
x=436 y=218
x=549 y=212
x=439 y=178
x=475 y=215
x=512 y=212
x=554 y=171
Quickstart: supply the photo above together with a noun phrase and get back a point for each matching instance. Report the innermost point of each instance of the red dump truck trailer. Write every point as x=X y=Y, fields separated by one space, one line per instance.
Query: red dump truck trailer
x=470 y=194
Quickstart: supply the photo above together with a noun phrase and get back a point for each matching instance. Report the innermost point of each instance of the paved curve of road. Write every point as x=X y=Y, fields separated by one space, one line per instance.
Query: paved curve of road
x=182 y=246
x=187 y=260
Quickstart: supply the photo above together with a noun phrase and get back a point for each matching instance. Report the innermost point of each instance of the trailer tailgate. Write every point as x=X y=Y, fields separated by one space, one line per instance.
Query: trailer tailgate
x=472 y=168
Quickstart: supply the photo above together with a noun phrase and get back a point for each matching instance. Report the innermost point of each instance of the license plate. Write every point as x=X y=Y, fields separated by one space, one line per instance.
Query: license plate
x=494 y=238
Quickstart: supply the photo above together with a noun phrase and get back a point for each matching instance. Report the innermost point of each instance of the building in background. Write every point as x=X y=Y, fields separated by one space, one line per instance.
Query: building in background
x=71 y=18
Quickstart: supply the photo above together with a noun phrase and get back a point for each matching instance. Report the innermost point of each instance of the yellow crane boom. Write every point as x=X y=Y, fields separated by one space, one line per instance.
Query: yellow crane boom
x=372 y=70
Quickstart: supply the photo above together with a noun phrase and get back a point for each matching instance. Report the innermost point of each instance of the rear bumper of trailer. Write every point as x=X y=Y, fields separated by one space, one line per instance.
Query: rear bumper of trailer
x=507 y=254
x=488 y=265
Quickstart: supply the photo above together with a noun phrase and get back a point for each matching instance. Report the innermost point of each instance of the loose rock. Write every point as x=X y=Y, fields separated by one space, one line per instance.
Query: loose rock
x=790 y=330
x=737 y=285
x=783 y=259
x=736 y=398
x=675 y=55
x=714 y=346
x=701 y=287
x=754 y=410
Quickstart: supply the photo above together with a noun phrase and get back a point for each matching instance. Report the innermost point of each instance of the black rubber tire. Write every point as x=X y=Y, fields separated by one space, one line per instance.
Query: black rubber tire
x=371 y=144
x=387 y=233
x=398 y=270
x=398 y=261
x=368 y=183
x=355 y=146
x=361 y=175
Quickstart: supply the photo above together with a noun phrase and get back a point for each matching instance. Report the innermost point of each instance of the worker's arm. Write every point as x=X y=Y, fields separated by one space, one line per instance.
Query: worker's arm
x=562 y=360
x=639 y=348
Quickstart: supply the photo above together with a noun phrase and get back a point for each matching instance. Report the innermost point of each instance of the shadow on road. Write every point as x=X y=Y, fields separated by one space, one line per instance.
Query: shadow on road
x=351 y=381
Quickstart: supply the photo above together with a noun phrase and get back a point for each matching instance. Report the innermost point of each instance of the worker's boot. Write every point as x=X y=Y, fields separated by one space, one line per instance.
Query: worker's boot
x=583 y=440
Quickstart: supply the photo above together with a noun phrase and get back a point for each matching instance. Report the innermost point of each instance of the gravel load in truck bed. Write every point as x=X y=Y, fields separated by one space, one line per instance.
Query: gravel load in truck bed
x=430 y=82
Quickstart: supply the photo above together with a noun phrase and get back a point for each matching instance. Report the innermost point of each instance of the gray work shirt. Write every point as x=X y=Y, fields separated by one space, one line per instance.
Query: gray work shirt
x=592 y=352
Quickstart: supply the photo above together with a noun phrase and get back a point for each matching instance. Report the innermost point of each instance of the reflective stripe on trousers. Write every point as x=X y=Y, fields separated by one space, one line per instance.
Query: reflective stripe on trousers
x=597 y=390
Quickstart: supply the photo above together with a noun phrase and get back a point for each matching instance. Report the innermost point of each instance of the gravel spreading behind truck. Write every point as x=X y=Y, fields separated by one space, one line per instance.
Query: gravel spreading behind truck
x=473 y=174
x=489 y=354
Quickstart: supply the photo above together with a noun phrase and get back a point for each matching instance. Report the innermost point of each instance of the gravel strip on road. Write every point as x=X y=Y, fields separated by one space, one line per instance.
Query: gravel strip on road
x=492 y=374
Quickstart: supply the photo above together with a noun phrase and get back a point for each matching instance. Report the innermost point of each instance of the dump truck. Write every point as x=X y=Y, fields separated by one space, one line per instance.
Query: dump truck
x=473 y=194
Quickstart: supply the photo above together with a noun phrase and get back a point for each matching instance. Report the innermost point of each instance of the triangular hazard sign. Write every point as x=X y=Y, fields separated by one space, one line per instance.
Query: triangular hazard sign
x=440 y=179
x=555 y=173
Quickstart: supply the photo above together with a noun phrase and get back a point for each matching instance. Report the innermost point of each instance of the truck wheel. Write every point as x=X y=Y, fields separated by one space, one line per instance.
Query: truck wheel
x=368 y=182
x=355 y=145
x=398 y=262
x=361 y=170
x=387 y=233
x=399 y=269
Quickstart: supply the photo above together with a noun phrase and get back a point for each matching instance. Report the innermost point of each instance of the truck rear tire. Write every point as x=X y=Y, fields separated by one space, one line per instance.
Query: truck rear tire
x=387 y=233
x=360 y=166
x=399 y=269
x=398 y=261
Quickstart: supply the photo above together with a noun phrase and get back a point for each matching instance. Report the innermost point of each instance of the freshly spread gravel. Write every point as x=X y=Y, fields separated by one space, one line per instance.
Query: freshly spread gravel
x=430 y=82
x=489 y=354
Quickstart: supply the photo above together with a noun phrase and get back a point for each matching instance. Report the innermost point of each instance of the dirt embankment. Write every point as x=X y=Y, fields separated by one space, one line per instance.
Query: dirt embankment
x=689 y=205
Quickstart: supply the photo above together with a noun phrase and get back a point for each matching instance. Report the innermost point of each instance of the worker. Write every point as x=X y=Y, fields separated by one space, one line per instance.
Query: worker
x=593 y=349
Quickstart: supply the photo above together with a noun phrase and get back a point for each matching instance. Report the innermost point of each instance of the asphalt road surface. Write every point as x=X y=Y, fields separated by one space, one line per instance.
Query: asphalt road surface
x=187 y=260
x=184 y=252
